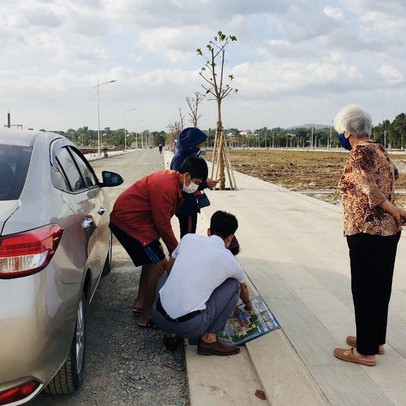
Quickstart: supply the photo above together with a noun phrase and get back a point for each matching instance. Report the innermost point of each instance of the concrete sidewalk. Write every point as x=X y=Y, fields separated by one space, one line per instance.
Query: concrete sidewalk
x=295 y=256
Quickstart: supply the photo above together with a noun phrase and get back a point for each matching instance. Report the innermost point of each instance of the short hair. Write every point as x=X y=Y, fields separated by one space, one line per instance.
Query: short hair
x=354 y=120
x=223 y=224
x=197 y=167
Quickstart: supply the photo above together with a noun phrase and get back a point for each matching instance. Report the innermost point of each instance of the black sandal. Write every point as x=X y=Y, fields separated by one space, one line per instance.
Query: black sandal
x=137 y=312
x=150 y=324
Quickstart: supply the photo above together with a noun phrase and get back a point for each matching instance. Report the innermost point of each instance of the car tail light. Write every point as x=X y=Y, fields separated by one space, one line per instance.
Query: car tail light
x=18 y=393
x=27 y=253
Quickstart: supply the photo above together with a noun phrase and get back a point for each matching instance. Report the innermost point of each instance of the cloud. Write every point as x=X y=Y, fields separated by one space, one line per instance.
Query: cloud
x=43 y=17
x=171 y=42
x=262 y=79
x=391 y=74
x=312 y=56
x=334 y=12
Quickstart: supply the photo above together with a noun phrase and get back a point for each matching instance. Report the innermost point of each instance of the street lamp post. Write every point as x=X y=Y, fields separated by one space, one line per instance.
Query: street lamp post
x=136 y=137
x=98 y=87
x=125 y=127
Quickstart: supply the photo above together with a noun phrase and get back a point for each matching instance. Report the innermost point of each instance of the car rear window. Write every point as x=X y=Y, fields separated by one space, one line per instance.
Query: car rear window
x=14 y=161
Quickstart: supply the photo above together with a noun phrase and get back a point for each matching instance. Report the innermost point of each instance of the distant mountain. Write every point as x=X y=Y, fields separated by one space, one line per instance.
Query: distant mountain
x=309 y=126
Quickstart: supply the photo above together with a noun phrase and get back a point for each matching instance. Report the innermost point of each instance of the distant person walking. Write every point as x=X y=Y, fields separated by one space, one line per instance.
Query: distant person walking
x=142 y=215
x=190 y=142
x=160 y=148
x=372 y=226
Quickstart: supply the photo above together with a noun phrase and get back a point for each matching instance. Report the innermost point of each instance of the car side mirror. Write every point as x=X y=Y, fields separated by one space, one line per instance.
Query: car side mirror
x=111 y=179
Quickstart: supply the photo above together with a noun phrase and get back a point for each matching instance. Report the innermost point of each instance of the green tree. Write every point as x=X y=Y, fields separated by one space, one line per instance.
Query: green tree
x=302 y=135
x=399 y=130
x=382 y=133
x=158 y=137
x=214 y=83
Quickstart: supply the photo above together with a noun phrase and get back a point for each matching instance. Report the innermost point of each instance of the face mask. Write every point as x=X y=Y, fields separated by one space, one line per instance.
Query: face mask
x=191 y=188
x=345 y=142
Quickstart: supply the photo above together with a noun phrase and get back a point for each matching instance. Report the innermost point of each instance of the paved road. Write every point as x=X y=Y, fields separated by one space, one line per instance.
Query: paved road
x=125 y=365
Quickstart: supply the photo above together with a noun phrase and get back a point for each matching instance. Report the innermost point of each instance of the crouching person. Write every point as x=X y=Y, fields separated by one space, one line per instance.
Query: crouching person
x=201 y=288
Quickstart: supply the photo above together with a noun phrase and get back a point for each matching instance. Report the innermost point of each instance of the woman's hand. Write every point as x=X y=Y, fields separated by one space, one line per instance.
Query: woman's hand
x=398 y=214
x=211 y=183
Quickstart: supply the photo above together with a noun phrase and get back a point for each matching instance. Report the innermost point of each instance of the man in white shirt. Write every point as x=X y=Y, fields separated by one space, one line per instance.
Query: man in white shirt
x=202 y=288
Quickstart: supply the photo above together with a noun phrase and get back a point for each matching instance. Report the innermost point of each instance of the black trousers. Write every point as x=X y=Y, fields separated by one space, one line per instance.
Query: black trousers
x=372 y=259
x=187 y=224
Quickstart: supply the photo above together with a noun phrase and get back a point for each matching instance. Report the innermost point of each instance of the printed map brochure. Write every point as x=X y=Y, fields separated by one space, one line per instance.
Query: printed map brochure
x=248 y=325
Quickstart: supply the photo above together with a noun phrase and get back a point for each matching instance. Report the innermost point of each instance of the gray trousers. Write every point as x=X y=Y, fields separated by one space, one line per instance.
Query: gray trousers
x=213 y=319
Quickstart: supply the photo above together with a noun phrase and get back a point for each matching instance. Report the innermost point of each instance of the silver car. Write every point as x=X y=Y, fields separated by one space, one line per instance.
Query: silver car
x=55 y=244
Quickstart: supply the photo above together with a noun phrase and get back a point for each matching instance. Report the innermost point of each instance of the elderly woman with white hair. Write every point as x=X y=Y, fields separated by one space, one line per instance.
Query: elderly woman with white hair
x=372 y=226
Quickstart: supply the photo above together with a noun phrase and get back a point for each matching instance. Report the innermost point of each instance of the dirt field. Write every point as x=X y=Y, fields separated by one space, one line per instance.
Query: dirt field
x=304 y=170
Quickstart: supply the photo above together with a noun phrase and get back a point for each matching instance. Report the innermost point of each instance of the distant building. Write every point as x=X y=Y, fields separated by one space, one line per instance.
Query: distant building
x=247 y=133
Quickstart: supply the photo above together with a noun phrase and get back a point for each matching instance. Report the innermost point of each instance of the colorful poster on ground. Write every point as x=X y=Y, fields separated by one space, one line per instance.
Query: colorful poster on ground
x=247 y=325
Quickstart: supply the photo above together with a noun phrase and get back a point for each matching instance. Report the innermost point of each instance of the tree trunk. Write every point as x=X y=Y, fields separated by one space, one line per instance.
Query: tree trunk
x=220 y=146
x=220 y=154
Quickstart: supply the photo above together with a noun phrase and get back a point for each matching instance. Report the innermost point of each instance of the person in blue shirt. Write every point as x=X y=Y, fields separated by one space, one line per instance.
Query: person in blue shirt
x=190 y=142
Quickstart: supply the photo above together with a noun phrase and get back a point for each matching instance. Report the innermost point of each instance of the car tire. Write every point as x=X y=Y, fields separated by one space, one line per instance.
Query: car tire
x=107 y=263
x=70 y=376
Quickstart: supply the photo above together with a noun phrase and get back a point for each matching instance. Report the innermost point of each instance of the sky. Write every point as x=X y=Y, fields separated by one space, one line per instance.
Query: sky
x=294 y=62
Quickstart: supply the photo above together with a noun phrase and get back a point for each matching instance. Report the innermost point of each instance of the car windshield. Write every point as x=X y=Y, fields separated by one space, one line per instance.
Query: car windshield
x=14 y=161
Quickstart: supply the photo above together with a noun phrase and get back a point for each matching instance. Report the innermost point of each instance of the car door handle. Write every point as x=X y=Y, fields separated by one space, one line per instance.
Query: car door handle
x=87 y=223
x=102 y=210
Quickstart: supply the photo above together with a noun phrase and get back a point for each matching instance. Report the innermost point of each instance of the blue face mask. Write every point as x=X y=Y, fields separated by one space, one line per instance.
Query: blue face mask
x=345 y=142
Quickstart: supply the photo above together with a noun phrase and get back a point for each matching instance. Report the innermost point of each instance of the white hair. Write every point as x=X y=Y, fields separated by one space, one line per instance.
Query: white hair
x=354 y=120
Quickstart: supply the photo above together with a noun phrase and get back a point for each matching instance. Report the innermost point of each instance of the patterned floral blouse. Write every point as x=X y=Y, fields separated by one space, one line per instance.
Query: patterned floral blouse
x=368 y=179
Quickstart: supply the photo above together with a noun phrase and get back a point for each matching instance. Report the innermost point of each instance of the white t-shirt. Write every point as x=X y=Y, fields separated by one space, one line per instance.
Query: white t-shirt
x=202 y=264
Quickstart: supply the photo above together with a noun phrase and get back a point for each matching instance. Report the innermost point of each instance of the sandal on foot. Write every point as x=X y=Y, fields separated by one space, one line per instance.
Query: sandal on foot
x=352 y=341
x=150 y=324
x=137 y=312
x=345 y=354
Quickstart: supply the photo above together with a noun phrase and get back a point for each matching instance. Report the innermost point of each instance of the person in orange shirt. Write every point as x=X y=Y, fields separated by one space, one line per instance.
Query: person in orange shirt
x=142 y=215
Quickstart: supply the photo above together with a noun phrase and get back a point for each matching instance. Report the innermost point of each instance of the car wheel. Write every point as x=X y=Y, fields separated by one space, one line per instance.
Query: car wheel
x=70 y=376
x=107 y=263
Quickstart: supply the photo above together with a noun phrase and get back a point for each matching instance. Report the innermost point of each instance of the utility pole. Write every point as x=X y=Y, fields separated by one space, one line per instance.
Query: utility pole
x=125 y=127
x=329 y=140
x=311 y=143
x=9 y=125
x=98 y=87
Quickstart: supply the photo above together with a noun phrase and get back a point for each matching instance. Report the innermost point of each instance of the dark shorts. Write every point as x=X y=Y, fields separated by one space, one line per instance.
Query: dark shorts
x=140 y=255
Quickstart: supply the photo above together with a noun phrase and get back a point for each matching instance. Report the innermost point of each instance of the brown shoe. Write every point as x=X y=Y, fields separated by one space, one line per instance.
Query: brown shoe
x=352 y=341
x=348 y=355
x=216 y=348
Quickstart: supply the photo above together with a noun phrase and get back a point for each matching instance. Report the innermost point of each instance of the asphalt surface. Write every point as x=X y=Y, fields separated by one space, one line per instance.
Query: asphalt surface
x=125 y=364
